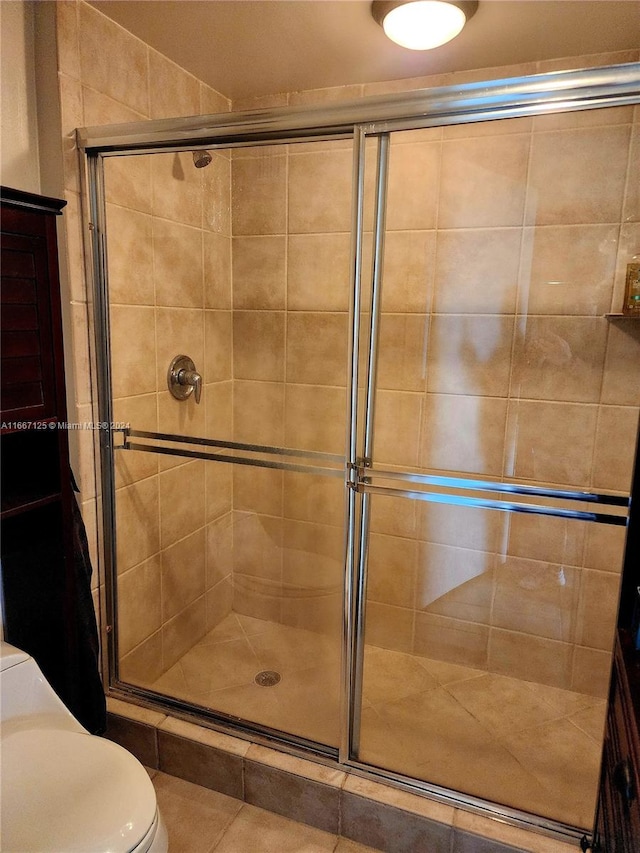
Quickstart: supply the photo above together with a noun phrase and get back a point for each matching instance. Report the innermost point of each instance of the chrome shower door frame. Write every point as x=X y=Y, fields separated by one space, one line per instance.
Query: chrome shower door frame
x=361 y=120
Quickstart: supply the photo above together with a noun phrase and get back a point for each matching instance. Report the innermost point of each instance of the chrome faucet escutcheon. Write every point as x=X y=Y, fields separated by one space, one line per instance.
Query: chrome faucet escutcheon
x=183 y=379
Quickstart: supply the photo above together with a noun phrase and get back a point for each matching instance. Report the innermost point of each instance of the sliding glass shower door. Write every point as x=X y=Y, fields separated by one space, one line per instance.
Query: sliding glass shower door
x=230 y=510
x=496 y=459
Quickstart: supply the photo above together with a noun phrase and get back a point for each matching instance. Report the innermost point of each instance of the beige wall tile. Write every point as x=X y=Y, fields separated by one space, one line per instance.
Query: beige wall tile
x=591 y=672
x=257 y=490
x=259 y=195
x=182 y=502
x=258 y=412
x=177 y=264
x=71 y=117
x=627 y=248
x=259 y=345
x=470 y=354
x=325 y=96
x=85 y=440
x=531 y=658
x=260 y=598
x=219 y=603
x=536 y=598
x=621 y=383
x=584 y=118
x=144 y=663
x=141 y=413
x=180 y=417
x=212 y=102
x=604 y=547
x=183 y=573
x=320 y=613
x=402 y=352
x=550 y=442
x=218 y=346
x=408 y=271
x=389 y=627
x=73 y=289
x=257 y=546
x=67 y=37
x=463 y=433
x=317 y=348
x=592 y=60
x=309 y=497
x=180 y=331
x=483 y=181
x=497 y=127
x=172 y=91
x=477 y=271
x=394 y=516
x=130 y=257
x=451 y=640
x=216 y=208
x=177 y=188
x=598 y=608
x=397 y=427
x=391 y=570
x=559 y=358
x=259 y=272
x=99 y=108
x=183 y=631
x=219 y=409
x=112 y=60
x=313 y=556
x=219 y=489
x=318 y=272
x=461 y=526
x=139 y=613
x=631 y=208
x=315 y=418
x=456 y=582
x=217 y=271
x=219 y=550
x=550 y=540
x=137 y=523
x=319 y=191
x=577 y=176
x=128 y=181
x=133 y=350
x=616 y=439
x=80 y=330
x=412 y=195
x=567 y=269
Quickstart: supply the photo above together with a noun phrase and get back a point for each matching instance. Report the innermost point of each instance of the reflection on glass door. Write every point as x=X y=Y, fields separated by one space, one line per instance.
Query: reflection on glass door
x=489 y=624
x=230 y=574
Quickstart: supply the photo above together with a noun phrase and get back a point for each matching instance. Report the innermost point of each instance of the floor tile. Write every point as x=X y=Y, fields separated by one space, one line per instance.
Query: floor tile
x=591 y=721
x=195 y=817
x=257 y=830
x=390 y=675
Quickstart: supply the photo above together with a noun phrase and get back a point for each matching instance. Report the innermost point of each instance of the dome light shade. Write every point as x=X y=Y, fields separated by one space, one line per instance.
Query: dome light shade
x=422 y=24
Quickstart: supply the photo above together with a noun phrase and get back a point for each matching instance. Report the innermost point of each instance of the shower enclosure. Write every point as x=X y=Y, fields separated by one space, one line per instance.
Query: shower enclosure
x=390 y=532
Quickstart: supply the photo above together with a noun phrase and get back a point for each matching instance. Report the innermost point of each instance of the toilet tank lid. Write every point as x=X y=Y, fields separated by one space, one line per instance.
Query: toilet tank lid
x=10 y=656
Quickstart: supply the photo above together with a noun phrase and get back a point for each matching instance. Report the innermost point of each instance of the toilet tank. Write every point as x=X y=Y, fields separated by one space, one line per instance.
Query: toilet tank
x=26 y=698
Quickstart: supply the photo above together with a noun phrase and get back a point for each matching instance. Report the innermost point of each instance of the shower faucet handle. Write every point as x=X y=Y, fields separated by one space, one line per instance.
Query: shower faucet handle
x=183 y=379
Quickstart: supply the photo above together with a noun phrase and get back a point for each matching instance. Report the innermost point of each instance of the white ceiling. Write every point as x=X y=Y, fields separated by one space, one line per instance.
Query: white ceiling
x=244 y=48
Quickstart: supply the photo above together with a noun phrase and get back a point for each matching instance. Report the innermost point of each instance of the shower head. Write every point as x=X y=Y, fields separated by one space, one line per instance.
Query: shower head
x=201 y=159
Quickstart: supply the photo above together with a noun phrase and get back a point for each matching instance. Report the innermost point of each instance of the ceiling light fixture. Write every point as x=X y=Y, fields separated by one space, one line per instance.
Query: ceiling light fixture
x=422 y=24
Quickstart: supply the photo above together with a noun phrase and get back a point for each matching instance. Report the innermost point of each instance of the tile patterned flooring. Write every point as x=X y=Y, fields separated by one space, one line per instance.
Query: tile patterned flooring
x=199 y=820
x=518 y=743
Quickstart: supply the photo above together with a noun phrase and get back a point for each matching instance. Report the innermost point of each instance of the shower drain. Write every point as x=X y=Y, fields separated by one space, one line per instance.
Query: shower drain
x=267 y=678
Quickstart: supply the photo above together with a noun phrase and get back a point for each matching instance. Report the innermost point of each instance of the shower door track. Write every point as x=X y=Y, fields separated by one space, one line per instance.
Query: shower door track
x=368 y=117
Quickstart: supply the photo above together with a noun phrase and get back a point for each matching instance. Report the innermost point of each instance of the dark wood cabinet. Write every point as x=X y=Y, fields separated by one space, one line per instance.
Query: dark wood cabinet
x=36 y=494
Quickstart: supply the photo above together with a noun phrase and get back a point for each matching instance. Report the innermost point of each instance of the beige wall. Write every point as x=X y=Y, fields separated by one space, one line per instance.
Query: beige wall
x=287 y=560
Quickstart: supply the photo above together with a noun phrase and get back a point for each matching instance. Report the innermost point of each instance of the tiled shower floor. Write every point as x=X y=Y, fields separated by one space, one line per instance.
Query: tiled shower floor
x=518 y=743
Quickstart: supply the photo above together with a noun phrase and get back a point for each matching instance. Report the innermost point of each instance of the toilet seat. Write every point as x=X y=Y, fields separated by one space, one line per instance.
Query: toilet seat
x=75 y=792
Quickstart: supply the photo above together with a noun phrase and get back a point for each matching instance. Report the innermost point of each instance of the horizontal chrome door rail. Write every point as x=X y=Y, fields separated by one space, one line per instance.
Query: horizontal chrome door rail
x=169 y=446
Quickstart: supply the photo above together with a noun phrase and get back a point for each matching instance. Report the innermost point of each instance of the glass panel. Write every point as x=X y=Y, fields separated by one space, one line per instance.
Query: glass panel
x=487 y=634
x=226 y=571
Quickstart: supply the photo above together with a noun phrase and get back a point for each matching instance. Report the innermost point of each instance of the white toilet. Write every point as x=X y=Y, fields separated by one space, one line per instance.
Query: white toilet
x=63 y=789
